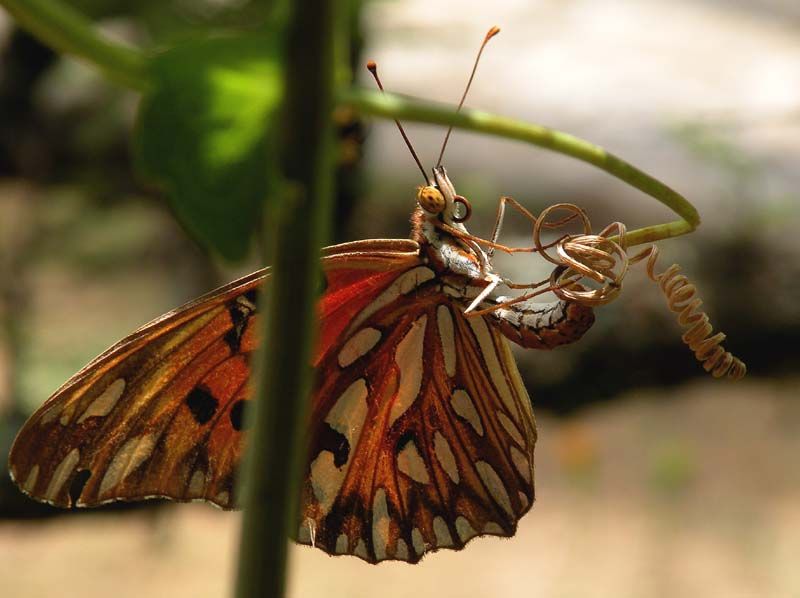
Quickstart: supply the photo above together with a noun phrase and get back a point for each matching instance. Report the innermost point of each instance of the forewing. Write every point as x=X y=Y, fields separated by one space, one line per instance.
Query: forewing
x=422 y=432
x=161 y=412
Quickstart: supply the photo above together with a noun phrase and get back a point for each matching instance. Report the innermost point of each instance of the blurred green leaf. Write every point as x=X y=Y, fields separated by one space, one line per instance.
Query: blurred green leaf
x=203 y=135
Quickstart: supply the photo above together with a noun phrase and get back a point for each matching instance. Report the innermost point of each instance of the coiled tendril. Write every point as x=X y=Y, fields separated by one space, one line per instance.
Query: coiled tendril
x=606 y=261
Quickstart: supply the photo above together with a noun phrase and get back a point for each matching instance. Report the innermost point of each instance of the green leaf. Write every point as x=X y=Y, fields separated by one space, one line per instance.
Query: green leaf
x=204 y=135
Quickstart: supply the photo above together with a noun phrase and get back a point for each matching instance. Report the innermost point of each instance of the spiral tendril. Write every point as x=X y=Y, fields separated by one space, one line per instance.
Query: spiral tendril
x=606 y=262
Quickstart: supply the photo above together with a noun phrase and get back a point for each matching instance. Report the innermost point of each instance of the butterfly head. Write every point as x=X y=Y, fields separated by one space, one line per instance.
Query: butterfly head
x=440 y=200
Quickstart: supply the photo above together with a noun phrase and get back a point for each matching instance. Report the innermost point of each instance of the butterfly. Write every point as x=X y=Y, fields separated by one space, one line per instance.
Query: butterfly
x=421 y=432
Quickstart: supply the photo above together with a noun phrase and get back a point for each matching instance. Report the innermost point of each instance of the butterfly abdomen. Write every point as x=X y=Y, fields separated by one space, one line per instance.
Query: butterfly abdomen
x=543 y=325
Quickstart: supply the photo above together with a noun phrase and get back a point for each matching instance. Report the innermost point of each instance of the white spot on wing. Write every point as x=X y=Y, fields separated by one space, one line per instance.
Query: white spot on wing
x=464 y=407
x=348 y=413
x=358 y=345
x=197 y=483
x=523 y=499
x=410 y=463
x=326 y=479
x=495 y=485
x=490 y=358
x=443 y=537
x=341 y=544
x=445 y=321
x=49 y=415
x=401 y=552
x=103 y=404
x=521 y=463
x=464 y=529
x=493 y=528
x=347 y=418
x=417 y=541
x=510 y=428
x=132 y=454
x=445 y=456
x=409 y=361
x=222 y=498
x=380 y=524
x=61 y=474
x=30 y=481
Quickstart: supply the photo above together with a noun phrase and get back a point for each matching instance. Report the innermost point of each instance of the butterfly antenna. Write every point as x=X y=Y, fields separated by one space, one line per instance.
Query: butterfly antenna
x=489 y=35
x=372 y=67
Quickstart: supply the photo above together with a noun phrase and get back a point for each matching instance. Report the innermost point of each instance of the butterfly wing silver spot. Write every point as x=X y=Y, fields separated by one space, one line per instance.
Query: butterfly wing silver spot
x=417 y=541
x=511 y=428
x=401 y=552
x=104 y=403
x=347 y=418
x=197 y=483
x=342 y=544
x=408 y=358
x=465 y=408
x=380 y=524
x=132 y=454
x=445 y=456
x=521 y=463
x=442 y=533
x=358 y=345
x=447 y=336
x=30 y=481
x=494 y=485
x=410 y=462
x=61 y=474
x=464 y=529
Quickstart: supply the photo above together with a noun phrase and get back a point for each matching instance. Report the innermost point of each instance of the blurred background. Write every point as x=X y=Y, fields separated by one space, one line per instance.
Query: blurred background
x=652 y=478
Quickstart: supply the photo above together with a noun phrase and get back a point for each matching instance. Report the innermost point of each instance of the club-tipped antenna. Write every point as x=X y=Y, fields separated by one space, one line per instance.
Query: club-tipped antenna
x=489 y=35
x=372 y=67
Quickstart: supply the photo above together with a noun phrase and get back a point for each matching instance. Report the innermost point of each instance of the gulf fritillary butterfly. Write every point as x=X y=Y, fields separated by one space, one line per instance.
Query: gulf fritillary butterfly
x=421 y=430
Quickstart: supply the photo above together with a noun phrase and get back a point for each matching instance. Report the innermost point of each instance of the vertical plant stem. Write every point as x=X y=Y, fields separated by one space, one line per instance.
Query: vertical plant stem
x=297 y=229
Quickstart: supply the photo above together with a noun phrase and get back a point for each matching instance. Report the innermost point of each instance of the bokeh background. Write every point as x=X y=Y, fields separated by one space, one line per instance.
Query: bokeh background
x=652 y=480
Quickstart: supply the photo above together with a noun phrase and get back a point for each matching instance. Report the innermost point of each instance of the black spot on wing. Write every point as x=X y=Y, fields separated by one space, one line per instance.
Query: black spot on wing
x=252 y=296
x=77 y=484
x=237 y=415
x=239 y=314
x=408 y=436
x=202 y=404
x=329 y=439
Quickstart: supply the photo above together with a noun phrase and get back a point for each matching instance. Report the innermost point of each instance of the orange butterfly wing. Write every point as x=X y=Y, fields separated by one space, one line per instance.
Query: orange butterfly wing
x=160 y=413
x=422 y=431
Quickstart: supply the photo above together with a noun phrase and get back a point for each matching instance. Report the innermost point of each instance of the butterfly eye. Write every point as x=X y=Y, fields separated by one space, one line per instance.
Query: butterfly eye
x=431 y=199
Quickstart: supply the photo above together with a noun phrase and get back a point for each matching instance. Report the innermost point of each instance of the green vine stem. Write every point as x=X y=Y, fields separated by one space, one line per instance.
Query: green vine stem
x=66 y=30
x=401 y=108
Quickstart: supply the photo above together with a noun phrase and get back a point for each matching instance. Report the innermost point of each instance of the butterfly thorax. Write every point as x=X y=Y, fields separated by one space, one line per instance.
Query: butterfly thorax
x=463 y=267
